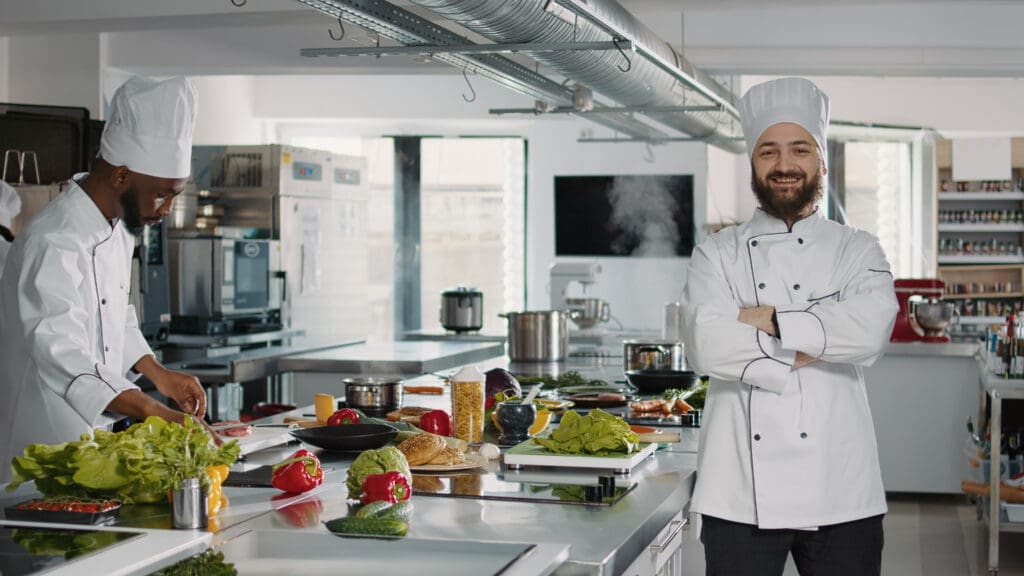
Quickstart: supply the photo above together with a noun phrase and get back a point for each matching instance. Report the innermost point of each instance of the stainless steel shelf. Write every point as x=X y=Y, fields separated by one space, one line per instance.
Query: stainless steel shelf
x=984 y=196
x=981 y=259
x=976 y=227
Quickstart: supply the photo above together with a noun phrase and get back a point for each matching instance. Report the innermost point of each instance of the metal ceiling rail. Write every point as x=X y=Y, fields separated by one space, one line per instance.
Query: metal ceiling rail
x=645 y=140
x=606 y=110
x=431 y=50
x=407 y=28
x=583 y=9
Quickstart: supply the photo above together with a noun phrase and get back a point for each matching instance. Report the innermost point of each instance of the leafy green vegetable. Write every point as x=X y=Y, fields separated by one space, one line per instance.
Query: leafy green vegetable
x=377 y=461
x=206 y=564
x=571 y=378
x=596 y=433
x=137 y=465
x=694 y=396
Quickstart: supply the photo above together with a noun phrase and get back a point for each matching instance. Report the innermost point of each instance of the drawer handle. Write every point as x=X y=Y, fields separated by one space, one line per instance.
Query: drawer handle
x=677 y=527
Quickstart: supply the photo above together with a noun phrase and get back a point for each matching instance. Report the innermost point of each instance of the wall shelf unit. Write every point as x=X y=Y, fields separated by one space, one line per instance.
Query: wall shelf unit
x=980 y=240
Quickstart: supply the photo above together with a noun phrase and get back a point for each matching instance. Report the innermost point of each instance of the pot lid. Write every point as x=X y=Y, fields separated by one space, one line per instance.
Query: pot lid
x=462 y=291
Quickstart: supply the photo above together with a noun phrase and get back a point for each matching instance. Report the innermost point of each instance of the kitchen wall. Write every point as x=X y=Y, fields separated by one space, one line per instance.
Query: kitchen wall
x=55 y=70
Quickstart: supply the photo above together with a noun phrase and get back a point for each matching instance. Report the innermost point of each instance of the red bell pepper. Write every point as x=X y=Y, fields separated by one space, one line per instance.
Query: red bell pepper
x=301 y=514
x=300 y=473
x=343 y=416
x=437 y=422
x=390 y=487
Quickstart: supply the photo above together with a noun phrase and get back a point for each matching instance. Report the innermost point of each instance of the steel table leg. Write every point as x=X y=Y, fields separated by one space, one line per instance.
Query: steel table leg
x=995 y=433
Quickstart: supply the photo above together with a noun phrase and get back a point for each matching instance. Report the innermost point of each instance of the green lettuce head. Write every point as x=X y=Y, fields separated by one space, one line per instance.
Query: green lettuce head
x=378 y=461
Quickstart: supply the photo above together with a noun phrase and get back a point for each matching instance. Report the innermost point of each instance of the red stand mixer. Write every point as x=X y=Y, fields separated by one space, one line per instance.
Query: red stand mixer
x=923 y=316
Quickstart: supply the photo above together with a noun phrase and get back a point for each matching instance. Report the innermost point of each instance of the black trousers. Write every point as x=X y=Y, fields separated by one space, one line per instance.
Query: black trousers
x=847 y=549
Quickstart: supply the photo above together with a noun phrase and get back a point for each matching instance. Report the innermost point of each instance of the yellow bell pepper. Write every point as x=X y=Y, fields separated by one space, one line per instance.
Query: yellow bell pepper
x=215 y=497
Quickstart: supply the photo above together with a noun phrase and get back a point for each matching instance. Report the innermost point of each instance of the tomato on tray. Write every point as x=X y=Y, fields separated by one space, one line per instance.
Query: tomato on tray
x=61 y=510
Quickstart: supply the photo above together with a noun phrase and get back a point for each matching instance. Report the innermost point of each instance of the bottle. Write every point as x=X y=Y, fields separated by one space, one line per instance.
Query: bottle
x=1007 y=352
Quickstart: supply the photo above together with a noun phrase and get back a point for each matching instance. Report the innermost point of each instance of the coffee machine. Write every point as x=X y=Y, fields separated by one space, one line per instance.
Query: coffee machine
x=909 y=293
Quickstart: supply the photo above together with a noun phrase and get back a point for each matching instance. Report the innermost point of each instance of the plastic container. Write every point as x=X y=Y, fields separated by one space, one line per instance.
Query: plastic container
x=468 y=404
x=74 y=512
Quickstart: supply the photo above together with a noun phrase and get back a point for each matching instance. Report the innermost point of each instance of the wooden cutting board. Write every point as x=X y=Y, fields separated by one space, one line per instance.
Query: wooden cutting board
x=261 y=438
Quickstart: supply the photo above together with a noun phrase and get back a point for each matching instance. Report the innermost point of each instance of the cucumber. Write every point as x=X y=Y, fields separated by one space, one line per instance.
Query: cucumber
x=351 y=526
x=401 y=511
x=373 y=509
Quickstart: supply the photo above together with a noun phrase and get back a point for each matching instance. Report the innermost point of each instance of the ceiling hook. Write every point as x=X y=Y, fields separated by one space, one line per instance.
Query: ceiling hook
x=648 y=152
x=238 y=3
x=629 y=64
x=330 y=31
x=466 y=77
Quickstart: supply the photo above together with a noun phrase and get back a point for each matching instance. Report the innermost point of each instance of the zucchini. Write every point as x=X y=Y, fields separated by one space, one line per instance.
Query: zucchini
x=401 y=511
x=352 y=526
x=373 y=509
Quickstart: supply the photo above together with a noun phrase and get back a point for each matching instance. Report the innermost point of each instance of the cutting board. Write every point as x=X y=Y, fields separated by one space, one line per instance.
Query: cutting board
x=530 y=454
x=261 y=438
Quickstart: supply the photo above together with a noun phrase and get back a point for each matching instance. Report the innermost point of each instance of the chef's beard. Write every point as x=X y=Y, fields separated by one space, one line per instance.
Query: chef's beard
x=789 y=207
x=132 y=213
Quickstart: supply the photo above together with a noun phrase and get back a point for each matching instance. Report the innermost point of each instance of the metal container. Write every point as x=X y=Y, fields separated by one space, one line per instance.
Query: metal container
x=188 y=506
x=462 y=309
x=934 y=315
x=652 y=355
x=373 y=394
x=587 y=312
x=539 y=336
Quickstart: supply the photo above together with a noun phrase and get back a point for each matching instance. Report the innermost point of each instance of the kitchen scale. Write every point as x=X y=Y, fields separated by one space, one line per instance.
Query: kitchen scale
x=571 y=487
x=29 y=550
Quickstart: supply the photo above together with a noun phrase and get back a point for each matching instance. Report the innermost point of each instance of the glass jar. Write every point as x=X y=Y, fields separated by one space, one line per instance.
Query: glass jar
x=468 y=404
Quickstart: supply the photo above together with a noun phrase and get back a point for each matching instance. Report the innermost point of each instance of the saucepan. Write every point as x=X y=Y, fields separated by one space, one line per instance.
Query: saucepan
x=657 y=381
x=373 y=395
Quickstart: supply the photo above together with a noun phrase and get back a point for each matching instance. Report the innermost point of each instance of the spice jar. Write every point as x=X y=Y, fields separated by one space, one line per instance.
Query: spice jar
x=468 y=404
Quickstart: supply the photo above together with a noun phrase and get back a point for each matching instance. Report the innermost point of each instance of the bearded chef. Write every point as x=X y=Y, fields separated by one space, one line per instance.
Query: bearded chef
x=70 y=345
x=783 y=312
x=10 y=206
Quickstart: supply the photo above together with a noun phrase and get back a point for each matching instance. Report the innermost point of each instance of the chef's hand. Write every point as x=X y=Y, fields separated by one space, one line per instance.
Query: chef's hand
x=759 y=317
x=183 y=388
x=802 y=360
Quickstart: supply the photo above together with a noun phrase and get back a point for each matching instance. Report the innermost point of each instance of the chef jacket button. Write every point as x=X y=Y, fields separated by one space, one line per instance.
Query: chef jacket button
x=122 y=284
x=799 y=240
x=796 y=286
x=761 y=285
x=803 y=434
x=104 y=301
x=753 y=242
x=106 y=348
x=757 y=436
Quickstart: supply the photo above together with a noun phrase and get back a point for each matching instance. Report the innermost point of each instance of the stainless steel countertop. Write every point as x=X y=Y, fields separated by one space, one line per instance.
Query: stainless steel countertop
x=400 y=358
x=219 y=340
x=602 y=540
x=247 y=365
x=440 y=334
x=957 y=349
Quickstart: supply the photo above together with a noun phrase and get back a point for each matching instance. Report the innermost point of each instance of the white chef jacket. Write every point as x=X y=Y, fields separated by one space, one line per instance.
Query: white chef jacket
x=70 y=336
x=5 y=247
x=782 y=448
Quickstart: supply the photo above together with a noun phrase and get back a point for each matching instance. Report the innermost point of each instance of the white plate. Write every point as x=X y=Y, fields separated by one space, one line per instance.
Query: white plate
x=473 y=460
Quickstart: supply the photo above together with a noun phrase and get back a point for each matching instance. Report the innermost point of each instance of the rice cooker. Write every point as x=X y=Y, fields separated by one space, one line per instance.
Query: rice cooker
x=462 y=309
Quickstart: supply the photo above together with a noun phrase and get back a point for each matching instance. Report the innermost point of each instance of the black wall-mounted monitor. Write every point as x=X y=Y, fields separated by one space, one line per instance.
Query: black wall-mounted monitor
x=627 y=215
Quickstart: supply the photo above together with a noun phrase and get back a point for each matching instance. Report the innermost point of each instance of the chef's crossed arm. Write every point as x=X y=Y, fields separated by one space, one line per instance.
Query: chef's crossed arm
x=717 y=343
x=855 y=327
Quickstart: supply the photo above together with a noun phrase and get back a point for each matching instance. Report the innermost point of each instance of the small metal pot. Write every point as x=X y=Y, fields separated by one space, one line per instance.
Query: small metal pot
x=373 y=395
x=652 y=355
x=462 y=309
x=539 y=336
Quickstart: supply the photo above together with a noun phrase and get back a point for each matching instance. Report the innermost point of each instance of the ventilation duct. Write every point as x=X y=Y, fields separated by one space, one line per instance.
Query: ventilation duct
x=652 y=83
x=644 y=84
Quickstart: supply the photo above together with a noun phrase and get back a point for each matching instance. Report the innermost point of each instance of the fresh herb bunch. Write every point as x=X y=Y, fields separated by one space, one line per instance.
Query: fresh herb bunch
x=571 y=378
x=206 y=564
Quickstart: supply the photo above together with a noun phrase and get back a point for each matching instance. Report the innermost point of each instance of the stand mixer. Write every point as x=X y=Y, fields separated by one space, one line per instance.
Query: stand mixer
x=584 y=311
x=923 y=316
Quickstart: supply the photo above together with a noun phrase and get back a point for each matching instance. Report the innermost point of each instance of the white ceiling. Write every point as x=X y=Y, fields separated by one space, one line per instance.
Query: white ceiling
x=726 y=37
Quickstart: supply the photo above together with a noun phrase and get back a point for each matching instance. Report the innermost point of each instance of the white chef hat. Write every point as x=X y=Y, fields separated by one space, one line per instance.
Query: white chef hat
x=150 y=127
x=795 y=100
x=10 y=204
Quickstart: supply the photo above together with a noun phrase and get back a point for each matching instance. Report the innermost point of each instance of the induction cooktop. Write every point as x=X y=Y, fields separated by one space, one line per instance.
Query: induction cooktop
x=28 y=550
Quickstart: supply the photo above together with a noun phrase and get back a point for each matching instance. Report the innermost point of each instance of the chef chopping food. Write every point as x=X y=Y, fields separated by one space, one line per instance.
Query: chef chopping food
x=70 y=346
x=783 y=312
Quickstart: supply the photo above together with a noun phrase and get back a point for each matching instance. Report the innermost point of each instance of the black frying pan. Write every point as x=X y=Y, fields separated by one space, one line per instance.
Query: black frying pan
x=347 y=437
x=657 y=381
